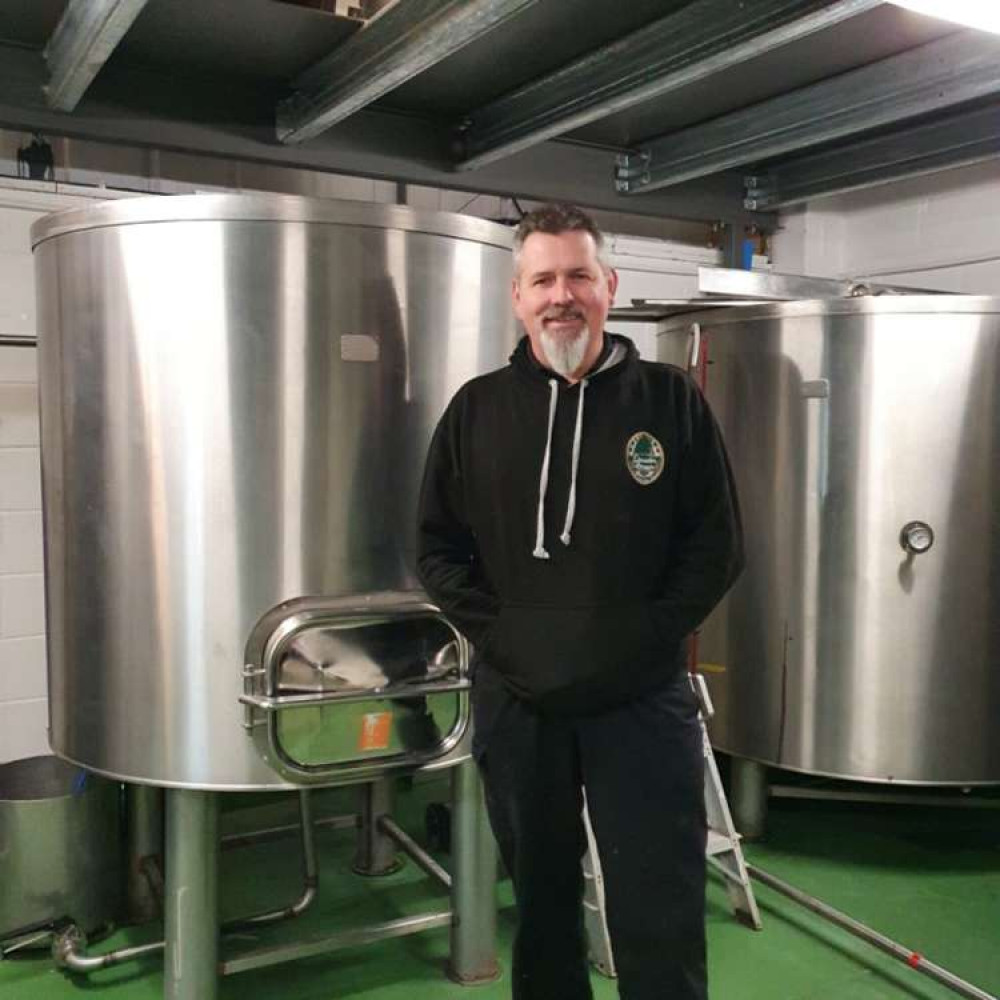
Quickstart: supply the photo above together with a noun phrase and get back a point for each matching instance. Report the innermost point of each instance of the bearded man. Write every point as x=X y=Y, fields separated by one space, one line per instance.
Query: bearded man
x=578 y=520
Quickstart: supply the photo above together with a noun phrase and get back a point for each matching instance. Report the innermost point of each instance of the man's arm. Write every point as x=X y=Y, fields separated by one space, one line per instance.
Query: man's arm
x=447 y=555
x=706 y=553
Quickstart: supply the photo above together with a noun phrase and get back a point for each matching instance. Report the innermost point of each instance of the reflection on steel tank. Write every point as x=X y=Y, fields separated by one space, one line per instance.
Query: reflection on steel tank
x=238 y=393
x=863 y=640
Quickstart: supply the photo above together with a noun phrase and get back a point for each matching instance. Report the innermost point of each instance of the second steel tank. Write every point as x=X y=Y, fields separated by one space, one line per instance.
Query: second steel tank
x=863 y=640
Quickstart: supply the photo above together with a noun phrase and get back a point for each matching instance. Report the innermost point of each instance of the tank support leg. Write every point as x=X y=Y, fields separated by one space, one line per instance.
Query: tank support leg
x=473 y=885
x=190 y=968
x=144 y=805
x=749 y=797
x=376 y=853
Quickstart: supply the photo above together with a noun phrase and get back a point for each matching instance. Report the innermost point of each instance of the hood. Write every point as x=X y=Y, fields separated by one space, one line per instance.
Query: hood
x=618 y=353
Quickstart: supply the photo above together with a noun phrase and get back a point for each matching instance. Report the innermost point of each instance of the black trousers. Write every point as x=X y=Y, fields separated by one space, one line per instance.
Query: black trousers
x=642 y=766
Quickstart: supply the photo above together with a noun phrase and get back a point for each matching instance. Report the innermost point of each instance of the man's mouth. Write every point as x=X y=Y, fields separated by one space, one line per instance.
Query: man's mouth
x=563 y=319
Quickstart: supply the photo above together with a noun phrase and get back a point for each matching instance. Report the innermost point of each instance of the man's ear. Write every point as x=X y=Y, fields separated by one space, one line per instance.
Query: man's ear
x=612 y=283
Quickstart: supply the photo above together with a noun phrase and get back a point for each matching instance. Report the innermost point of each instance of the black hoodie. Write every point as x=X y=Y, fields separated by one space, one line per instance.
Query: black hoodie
x=580 y=626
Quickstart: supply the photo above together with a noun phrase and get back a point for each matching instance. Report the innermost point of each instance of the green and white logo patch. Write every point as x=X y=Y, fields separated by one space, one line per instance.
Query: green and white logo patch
x=645 y=458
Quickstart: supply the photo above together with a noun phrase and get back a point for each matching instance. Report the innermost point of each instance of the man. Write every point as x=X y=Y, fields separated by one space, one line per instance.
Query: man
x=577 y=521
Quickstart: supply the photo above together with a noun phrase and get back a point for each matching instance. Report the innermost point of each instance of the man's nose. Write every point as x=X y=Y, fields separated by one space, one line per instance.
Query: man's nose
x=562 y=291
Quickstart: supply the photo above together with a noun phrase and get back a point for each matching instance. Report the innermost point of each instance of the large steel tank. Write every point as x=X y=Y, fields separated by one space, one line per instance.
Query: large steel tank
x=863 y=639
x=237 y=396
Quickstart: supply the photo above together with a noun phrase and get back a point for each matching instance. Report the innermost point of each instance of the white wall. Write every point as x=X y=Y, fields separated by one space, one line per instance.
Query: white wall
x=23 y=713
x=22 y=627
x=940 y=231
x=654 y=269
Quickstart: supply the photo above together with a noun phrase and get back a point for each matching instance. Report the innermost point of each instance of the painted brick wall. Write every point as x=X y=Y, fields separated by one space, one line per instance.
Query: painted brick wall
x=23 y=706
x=23 y=715
x=22 y=612
x=940 y=231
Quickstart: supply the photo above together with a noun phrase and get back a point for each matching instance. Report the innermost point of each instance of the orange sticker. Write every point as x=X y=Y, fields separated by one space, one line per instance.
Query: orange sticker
x=376 y=728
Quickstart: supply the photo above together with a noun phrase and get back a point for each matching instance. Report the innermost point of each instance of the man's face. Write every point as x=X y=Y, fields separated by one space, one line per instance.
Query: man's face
x=562 y=295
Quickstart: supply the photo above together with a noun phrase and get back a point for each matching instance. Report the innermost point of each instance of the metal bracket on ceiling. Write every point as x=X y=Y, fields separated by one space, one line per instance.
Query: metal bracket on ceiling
x=632 y=170
x=959 y=140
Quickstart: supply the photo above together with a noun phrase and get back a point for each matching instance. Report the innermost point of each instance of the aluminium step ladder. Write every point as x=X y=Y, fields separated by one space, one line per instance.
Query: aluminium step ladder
x=722 y=851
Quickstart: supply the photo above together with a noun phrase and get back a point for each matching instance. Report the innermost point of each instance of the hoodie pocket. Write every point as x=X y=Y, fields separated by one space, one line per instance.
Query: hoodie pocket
x=577 y=658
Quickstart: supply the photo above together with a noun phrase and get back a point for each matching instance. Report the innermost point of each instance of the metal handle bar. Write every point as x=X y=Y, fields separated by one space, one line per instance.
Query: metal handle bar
x=695 y=346
x=701 y=693
x=279 y=702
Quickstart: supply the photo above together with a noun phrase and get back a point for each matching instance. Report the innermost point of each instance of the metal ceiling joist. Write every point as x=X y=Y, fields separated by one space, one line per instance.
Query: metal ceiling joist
x=963 y=139
x=371 y=143
x=404 y=40
x=86 y=35
x=942 y=74
x=703 y=38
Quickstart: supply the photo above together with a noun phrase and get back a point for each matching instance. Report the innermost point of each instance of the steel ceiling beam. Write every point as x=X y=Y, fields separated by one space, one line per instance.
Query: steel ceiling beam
x=84 y=38
x=403 y=40
x=966 y=138
x=950 y=71
x=152 y=109
x=703 y=38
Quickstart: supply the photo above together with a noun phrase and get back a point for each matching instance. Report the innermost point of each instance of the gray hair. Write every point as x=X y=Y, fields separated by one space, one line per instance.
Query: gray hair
x=555 y=219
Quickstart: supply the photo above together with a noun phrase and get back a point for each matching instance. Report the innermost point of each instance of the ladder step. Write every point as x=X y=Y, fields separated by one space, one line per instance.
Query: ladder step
x=719 y=843
x=727 y=873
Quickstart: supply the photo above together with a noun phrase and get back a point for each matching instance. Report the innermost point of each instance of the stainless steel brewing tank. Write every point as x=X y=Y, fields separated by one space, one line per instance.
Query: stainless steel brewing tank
x=237 y=396
x=841 y=652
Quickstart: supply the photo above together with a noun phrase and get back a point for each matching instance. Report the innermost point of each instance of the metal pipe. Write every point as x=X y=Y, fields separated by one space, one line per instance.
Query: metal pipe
x=912 y=958
x=69 y=944
x=346 y=939
x=310 y=875
x=749 y=797
x=144 y=811
x=473 y=890
x=376 y=853
x=231 y=840
x=33 y=940
x=414 y=850
x=191 y=953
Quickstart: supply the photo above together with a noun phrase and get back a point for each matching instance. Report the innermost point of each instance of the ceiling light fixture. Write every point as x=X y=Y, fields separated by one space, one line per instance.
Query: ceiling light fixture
x=981 y=14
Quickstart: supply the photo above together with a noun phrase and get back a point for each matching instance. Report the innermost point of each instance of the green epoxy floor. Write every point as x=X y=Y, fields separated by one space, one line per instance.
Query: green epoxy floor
x=930 y=877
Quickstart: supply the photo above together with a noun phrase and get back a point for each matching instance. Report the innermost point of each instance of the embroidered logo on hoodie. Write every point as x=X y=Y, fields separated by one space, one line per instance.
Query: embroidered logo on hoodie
x=644 y=457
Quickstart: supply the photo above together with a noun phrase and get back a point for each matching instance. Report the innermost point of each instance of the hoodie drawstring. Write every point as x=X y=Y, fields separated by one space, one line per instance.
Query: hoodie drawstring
x=540 y=551
x=577 y=435
x=543 y=483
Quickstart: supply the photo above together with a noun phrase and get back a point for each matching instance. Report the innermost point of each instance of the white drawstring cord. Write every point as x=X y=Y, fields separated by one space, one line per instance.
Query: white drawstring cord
x=577 y=436
x=543 y=483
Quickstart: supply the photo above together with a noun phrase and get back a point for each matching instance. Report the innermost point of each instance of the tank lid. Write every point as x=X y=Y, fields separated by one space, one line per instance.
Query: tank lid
x=268 y=208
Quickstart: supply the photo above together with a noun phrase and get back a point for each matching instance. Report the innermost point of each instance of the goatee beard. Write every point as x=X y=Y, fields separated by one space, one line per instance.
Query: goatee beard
x=564 y=356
